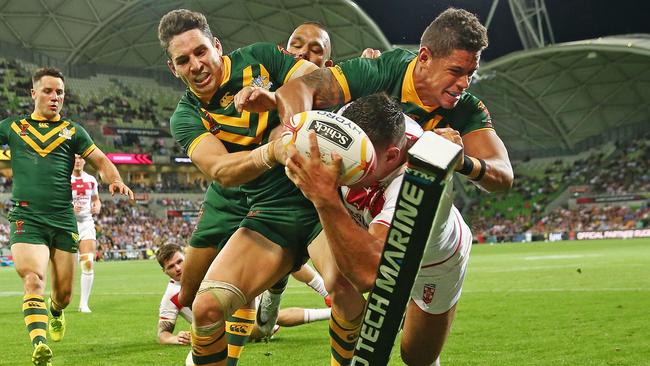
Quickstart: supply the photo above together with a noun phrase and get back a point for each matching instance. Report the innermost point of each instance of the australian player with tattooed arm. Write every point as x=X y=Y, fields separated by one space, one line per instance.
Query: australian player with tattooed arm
x=43 y=228
x=431 y=87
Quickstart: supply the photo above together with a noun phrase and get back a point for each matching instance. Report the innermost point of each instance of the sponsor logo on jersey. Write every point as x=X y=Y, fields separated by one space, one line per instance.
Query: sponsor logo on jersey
x=66 y=134
x=331 y=132
x=226 y=100
x=43 y=125
x=427 y=293
x=19 y=227
x=238 y=328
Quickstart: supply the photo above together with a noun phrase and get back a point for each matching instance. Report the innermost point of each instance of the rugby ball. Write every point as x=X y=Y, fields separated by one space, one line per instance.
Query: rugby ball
x=334 y=133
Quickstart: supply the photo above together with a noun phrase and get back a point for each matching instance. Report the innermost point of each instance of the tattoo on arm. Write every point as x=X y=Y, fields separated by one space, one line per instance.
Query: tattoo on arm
x=165 y=326
x=327 y=90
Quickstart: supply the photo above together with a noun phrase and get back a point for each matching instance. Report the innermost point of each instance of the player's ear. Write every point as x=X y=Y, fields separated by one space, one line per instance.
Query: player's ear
x=329 y=63
x=393 y=154
x=170 y=64
x=424 y=54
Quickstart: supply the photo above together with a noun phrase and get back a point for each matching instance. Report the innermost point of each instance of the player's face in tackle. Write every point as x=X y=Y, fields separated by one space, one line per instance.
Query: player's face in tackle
x=311 y=43
x=196 y=60
x=443 y=79
x=79 y=163
x=48 y=94
x=174 y=266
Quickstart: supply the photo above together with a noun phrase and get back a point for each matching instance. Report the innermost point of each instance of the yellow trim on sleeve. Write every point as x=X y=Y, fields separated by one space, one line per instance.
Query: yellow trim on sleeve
x=196 y=141
x=343 y=82
x=300 y=63
x=480 y=129
x=89 y=150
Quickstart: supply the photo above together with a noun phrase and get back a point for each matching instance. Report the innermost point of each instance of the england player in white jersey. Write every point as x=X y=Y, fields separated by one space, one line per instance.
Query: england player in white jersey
x=357 y=225
x=171 y=259
x=85 y=199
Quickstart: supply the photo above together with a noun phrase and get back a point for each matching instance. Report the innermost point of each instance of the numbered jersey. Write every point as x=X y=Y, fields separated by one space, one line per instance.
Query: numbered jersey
x=84 y=188
x=170 y=308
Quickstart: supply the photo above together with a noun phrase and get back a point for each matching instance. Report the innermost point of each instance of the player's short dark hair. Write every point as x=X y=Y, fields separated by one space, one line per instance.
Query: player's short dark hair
x=166 y=252
x=454 y=29
x=180 y=21
x=380 y=117
x=46 y=71
x=315 y=23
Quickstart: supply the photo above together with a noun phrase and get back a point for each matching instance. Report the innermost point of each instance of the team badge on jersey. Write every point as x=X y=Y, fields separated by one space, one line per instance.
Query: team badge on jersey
x=262 y=82
x=427 y=293
x=23 y=129
x=66 y=134
x=19 y=227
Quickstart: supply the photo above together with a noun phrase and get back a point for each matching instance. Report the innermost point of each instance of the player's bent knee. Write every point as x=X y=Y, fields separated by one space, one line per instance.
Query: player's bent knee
x=217 y=300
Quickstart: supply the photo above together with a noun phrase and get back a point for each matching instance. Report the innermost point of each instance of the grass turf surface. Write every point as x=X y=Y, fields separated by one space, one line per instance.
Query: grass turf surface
x=565 y=303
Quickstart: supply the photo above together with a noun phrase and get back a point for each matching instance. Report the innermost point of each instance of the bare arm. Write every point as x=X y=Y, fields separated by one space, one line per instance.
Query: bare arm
x=231 y=169
x=318 y=90
x=486 y=145
x=109 y=173
x=95 y=205
x=166 y=335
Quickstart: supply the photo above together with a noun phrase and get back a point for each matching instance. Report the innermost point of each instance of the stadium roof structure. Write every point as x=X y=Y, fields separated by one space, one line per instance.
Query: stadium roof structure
x=124 y=32
x=555 y=97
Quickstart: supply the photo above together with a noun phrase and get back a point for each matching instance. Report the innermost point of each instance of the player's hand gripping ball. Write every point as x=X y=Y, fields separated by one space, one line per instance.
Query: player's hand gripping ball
x=334 y=133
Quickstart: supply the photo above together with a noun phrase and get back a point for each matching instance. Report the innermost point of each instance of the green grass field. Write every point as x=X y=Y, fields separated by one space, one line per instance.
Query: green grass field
x=566 y=303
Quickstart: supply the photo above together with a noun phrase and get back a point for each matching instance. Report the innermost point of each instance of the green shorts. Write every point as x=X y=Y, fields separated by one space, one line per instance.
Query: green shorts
x=32 y=232
x=290 y=221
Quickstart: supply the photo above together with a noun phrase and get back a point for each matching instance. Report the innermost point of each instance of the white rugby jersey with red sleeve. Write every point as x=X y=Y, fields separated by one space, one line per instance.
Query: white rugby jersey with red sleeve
x=170 y=307
x=84 y=188
x=376 y=205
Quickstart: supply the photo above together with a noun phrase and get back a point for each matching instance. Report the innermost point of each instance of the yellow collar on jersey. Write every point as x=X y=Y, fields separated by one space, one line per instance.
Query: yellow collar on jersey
x=38 y=117
x=409 y=94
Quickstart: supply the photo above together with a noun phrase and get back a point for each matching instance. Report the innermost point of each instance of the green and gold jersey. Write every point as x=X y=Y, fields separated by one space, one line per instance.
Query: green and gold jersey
x=42 y=158
x=392 y=73
x=261 y=64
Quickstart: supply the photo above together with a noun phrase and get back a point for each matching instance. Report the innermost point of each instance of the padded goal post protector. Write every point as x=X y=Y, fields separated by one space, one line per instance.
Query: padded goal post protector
x=430 y=167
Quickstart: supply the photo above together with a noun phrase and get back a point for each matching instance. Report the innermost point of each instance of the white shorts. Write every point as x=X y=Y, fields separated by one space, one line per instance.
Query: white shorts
x=438 y=286
x=87 y=230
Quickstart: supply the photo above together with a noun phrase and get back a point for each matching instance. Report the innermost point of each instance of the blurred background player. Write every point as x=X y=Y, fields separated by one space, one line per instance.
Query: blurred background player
x=172 y=260
x=43 y=228
x=86 y=203
x=357 y=226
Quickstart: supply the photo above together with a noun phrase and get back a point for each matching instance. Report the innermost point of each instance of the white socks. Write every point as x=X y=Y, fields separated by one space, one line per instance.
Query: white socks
x=87 y=277
x=312 y=315
x=318 y=285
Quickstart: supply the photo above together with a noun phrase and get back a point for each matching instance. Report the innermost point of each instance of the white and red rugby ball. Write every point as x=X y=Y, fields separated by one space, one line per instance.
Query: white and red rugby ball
x=334 y=133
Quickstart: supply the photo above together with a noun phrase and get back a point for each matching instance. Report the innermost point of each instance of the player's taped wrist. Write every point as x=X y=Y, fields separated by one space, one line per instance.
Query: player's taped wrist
x=468 y=165
x=481 y=172
x=262 y=157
